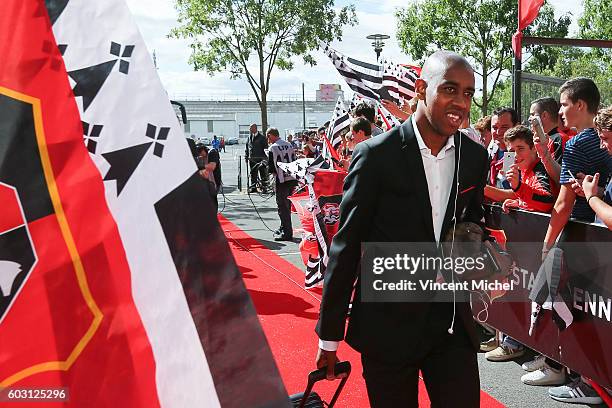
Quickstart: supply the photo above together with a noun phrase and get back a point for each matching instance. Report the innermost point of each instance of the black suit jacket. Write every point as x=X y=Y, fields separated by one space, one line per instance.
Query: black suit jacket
x=386 y=199
x=255 y=147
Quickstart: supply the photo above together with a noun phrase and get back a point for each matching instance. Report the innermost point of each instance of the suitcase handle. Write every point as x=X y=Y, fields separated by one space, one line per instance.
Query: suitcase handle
x=341 y=370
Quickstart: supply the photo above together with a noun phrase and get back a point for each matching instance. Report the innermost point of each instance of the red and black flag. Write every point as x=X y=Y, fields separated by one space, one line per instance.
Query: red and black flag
x=116 y=282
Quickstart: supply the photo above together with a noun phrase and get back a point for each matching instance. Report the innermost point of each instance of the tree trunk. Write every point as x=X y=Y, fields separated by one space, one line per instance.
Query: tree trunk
x=485 y=92
x=485 y=102
x=263 y=106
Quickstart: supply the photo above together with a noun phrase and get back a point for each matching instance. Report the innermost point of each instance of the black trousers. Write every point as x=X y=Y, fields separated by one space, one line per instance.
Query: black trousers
x=284 y=190
x=255 y=167
x=447 y=362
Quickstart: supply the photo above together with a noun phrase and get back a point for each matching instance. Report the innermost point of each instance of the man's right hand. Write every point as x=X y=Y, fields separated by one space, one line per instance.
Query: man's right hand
x=541 y=145
x=590 y=185
x=577 y=184
x=327 y=359
x=513 y=176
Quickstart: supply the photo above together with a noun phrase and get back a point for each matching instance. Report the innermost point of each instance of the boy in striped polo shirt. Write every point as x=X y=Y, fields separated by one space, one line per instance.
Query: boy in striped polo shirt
x=579 y=99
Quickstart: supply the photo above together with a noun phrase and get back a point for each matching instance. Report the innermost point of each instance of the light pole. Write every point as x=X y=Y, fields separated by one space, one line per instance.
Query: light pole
x=378 y=43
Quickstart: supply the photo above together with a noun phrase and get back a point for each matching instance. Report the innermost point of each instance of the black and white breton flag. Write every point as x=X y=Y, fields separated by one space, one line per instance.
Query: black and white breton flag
x=304 y=169
x=340 y=121
x=390 y=81
x=135 y=299
x=387 y=117
x=551 y=292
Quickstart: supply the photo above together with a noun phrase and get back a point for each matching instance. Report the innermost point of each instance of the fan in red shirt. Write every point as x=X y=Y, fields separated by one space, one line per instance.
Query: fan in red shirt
x=532 y=189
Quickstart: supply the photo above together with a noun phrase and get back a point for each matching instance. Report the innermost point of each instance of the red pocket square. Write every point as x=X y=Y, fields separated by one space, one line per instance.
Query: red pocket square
x=467 y=189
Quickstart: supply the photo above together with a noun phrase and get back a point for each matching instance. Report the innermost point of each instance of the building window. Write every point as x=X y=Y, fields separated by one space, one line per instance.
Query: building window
x=210 y=126
x=243 y=131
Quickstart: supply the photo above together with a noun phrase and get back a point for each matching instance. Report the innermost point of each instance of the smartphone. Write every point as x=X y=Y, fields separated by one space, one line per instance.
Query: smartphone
x=508 y=161
x=536 y=123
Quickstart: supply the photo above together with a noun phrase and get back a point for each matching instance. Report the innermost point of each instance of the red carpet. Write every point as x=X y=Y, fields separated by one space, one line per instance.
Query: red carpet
x=288 y=315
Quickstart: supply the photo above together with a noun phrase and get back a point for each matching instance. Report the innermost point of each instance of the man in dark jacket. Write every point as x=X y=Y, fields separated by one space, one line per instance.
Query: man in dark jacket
x=409 y=185
x=256 y=158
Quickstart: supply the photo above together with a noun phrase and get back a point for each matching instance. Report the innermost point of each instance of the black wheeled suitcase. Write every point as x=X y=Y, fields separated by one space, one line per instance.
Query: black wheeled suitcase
x=309 y=399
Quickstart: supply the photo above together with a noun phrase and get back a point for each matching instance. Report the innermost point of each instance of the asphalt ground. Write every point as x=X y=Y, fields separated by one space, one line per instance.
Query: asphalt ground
x=257 y=215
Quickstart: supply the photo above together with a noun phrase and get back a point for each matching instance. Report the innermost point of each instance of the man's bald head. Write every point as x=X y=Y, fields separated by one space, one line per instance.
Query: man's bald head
x=445 y=91
x=439 y=62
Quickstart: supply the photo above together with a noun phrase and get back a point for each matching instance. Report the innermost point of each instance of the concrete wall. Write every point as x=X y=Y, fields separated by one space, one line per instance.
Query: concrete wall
x=232 y=118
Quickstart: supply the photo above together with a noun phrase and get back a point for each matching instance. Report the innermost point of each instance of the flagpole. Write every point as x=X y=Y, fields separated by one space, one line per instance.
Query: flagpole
x=516 y=85
x=303 y=108
x=517 y=47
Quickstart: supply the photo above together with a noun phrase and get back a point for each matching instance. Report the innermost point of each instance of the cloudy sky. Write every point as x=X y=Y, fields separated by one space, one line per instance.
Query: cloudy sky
x=156 y=18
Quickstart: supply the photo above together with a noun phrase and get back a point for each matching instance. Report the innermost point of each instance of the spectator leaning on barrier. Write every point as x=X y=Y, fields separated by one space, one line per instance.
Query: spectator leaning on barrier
x=582 y=155
x=550 y=149
x=602 y=205
x=579 y=99
x=531 y=188
x=502 y=119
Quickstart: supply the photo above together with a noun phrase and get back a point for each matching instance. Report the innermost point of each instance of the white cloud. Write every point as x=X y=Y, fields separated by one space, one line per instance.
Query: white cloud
x=156 y=18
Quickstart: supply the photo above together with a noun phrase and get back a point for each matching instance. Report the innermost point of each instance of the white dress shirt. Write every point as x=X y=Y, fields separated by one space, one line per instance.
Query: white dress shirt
x=439 y=172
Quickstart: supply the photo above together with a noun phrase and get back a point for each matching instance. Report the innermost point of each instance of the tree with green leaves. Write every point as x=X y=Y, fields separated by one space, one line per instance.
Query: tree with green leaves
x=594 y=63
x=539 y=58
x=251 y=38
x=480 y=30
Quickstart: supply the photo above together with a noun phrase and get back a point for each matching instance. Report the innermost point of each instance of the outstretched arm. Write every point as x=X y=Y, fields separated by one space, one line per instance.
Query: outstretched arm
x=603 y=210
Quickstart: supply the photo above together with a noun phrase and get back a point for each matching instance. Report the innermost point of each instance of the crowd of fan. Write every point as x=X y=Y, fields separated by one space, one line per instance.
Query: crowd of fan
x=563 y=171
x=364 y=125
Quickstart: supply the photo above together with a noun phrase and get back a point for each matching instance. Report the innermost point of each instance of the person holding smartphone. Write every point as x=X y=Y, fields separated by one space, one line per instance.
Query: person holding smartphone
x=501 y=120
x=531 y=186
x=544 y=120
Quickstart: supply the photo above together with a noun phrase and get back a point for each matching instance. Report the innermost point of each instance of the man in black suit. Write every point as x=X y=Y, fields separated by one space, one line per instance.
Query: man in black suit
x=403 y=186
x=255 y=156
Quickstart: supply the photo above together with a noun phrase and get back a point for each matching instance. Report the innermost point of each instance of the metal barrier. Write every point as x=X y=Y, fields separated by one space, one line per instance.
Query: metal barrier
x=240 y=173
x=584 y=345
